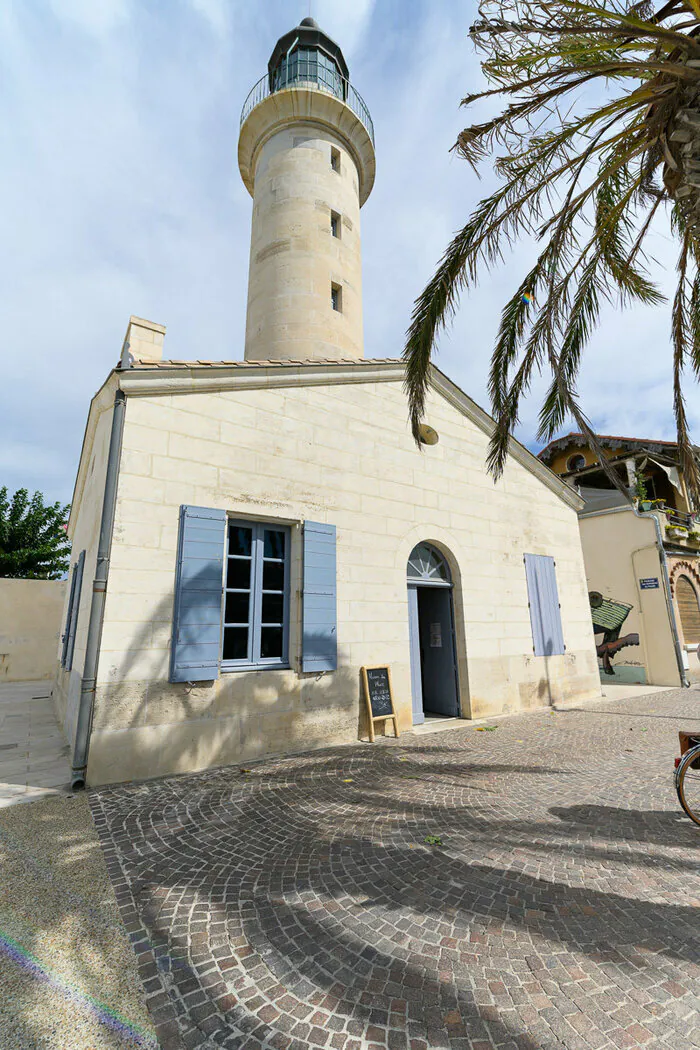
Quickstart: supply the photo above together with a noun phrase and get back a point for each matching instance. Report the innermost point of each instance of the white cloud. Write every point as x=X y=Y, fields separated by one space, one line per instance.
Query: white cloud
x=216 y=12
x=94 y=16
x=344 y=20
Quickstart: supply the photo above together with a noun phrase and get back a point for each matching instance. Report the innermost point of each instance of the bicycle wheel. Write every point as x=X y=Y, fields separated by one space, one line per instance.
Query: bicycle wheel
x=688 y=783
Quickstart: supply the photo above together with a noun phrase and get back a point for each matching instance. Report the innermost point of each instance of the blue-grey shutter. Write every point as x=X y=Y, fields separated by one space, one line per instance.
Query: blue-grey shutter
x=196 y=645
x=545 y=614
x=319 y=633
x=69 y=616
x=75 y=607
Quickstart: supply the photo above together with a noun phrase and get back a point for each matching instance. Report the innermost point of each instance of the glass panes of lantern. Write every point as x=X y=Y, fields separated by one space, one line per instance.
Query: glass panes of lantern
x=308 y=65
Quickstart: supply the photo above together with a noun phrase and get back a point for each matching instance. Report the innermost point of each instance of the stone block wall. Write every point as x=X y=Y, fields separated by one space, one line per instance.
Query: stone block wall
x=294 y=258
x=340 y=454
x=30 y=627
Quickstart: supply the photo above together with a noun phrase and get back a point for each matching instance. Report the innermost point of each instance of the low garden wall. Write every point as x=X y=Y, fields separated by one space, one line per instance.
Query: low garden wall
x=31 y=613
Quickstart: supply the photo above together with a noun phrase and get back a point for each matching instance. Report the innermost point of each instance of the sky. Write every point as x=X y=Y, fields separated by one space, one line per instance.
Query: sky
x=121 y=195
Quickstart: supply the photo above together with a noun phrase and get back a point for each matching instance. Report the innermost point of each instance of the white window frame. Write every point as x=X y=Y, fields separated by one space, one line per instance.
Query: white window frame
x=253 y=659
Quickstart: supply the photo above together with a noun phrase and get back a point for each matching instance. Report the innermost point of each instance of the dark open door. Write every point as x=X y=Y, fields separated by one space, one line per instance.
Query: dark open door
x=436 y=633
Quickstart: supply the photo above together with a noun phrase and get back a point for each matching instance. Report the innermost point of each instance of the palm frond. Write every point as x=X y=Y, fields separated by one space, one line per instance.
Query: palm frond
x=589 y=182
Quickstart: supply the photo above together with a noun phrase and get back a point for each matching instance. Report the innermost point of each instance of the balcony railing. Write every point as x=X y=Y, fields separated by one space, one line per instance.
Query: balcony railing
x=315 y=79
x=678 y=525
x=679 y=519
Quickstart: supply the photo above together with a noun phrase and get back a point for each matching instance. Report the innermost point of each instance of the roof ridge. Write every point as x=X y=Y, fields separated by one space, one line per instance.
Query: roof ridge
x=266 y=362
x=606 y=437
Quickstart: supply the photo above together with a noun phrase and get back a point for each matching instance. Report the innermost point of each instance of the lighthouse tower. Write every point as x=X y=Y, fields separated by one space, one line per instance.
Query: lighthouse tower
x=306 y=155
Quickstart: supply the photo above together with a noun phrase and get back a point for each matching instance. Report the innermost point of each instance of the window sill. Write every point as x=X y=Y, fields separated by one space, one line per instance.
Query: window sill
x=227 y=668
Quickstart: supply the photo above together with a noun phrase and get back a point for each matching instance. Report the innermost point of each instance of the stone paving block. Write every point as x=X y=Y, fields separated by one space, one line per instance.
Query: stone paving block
x=277 y=911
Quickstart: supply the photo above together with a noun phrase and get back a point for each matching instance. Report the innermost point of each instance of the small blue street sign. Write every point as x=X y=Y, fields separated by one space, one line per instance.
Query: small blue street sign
x=649 y=583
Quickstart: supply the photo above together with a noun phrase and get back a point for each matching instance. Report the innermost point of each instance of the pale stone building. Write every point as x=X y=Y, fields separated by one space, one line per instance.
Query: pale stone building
x=642 y=554
x=248 y=535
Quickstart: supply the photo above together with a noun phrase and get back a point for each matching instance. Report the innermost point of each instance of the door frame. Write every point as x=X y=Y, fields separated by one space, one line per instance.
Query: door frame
x=414 y=646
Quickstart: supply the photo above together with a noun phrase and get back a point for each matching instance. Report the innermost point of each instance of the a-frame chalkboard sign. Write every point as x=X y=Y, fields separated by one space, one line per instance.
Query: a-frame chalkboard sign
x=376 y=684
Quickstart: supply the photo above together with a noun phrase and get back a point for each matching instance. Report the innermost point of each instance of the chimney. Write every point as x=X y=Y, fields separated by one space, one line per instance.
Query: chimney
x=143 y=341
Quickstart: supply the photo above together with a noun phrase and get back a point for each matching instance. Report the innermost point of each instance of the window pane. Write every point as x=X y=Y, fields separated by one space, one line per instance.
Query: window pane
x=235 y=643
x=273 y=576
x=237 y=607
x=272 y=608
x=425 y=563
x=274 y=544
x=239 y=540
x=238 y=573
x=271 y=642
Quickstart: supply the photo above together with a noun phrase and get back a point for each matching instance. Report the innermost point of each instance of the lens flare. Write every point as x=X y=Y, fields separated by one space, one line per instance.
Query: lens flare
x=133 y=1035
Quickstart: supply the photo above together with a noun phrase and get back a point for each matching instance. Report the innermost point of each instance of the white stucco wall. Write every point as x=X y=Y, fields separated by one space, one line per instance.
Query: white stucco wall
x=84 y=530
x=30 y=626
x=620 y=550
x=340 y=454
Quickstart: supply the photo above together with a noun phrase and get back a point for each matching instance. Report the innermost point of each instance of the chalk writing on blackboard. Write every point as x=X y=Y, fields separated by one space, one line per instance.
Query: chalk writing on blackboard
x=379 y=697
x=379 y=691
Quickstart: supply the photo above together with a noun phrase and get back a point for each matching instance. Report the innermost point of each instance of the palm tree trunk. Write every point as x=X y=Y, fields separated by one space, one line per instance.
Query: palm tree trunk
x=682 y=169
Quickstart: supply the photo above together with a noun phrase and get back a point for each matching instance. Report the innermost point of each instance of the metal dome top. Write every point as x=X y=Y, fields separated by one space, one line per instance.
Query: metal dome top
x=307 y=35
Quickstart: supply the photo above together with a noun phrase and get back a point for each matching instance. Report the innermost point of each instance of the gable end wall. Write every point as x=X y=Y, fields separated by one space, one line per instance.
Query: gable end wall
x=340 y=454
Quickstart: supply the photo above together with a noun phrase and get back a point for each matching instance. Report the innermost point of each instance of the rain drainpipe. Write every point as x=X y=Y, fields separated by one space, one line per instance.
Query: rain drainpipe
x=99 y=589
x=667 y=595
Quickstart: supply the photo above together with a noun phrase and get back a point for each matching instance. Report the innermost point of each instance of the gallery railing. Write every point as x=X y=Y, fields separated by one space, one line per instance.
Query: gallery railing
x=311 y=78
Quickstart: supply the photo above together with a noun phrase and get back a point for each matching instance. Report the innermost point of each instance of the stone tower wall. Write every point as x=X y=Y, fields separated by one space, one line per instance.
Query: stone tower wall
x=294 y=257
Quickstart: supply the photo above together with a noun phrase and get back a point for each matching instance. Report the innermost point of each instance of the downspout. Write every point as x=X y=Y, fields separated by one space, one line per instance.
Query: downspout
x=667 y=595
x=99 y=590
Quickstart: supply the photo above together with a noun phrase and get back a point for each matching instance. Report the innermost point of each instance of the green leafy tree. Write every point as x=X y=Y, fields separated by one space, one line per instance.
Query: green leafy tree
x=598 y=137
x=33 y=540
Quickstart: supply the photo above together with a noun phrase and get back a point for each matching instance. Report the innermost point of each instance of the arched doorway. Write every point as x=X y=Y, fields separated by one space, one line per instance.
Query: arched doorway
x=432 y=636
x=689 y=610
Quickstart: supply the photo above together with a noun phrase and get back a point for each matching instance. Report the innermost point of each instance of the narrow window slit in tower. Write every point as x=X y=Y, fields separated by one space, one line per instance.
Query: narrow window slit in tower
x=335 y=224
x=337 y=298
x=335 y=159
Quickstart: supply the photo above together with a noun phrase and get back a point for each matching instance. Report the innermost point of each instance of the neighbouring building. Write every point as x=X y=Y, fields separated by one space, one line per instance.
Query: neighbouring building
x=642 y=553
x=249 y=534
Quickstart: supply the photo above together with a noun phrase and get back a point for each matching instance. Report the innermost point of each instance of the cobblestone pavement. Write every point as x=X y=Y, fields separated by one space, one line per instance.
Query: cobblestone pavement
x=300 y=905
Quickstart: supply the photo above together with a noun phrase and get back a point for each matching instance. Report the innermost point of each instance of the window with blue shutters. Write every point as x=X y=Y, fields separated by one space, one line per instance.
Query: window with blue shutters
x=256 y=596
x=545 y=612
x=232 y=596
